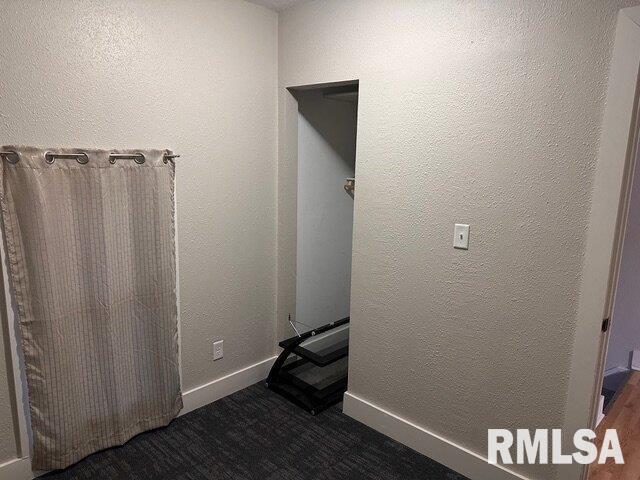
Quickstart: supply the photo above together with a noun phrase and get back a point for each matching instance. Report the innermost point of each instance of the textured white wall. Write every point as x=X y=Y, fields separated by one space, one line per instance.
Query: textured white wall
x=196 y=76
x=326 y=156
x=485 y=113
x=625 y=329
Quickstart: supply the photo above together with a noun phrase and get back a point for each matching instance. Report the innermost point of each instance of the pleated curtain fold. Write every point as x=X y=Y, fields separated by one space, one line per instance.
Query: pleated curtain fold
x=90 y=248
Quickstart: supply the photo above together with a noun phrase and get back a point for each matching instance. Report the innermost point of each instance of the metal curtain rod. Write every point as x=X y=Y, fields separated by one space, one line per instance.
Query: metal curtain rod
x=14 y=157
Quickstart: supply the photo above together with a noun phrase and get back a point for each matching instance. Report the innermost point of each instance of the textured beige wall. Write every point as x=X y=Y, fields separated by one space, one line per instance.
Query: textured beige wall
x=196 y=76
x=485 y=113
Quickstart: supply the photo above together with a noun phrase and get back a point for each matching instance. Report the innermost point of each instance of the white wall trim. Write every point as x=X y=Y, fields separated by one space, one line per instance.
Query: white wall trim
x=611 y=186
x=614 y=370
x=16 y=469
x=633 y=13
x=418 y=438
x=601 y=414
x=210 y=392
x=20 y=468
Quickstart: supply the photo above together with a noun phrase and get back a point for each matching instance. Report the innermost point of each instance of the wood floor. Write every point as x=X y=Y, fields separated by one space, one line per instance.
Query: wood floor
x=624 y=416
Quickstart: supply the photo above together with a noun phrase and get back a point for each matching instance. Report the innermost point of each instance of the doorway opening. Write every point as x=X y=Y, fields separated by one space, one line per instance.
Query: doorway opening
x=311 y=371
x=621 y=371
x=623 y=352
x=327 y=130
x=615 y=221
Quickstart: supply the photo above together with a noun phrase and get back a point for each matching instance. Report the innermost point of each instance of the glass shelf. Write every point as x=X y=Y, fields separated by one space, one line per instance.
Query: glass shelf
x=313 y=367
x=325 y=348
x=317 y=380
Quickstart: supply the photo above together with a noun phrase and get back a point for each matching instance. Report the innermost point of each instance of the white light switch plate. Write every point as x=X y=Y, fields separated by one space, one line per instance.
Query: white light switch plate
x=461 y=236
x=218 y=351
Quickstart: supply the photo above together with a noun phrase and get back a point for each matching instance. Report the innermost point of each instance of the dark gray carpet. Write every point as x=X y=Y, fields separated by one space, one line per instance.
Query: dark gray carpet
x=255 y=434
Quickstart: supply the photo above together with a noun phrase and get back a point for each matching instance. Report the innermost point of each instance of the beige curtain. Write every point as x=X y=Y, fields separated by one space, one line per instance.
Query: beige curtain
x=92 y=268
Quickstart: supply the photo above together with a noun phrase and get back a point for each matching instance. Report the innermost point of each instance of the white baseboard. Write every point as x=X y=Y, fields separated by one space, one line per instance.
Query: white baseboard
x=440 y=449
x=600 y=410
x=221 y=387
x=16 y=469
x=20 y=468
x=614 y=370
x=635 y=360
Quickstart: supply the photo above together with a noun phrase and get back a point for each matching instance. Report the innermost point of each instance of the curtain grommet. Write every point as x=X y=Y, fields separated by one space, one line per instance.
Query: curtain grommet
x=81 y=158
x=138 y=157
x=11 y=156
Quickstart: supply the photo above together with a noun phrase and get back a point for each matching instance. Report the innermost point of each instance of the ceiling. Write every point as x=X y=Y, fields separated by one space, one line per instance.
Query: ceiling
x=277 y=5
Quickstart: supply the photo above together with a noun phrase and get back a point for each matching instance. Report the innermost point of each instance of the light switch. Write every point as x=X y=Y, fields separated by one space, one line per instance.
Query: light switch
x=461 y=236
x=218 y=349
